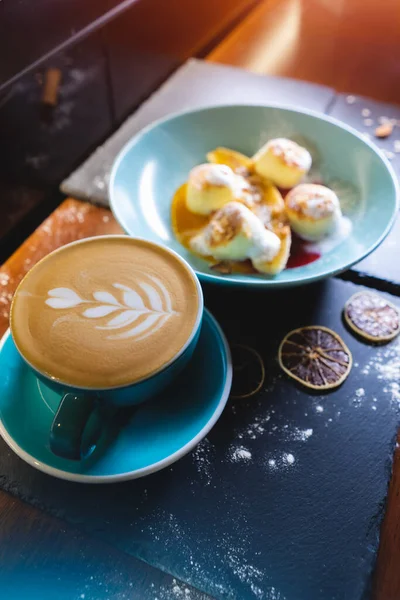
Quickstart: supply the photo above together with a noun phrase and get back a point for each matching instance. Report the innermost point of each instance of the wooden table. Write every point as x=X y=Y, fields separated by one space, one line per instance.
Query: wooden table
x=350 y=46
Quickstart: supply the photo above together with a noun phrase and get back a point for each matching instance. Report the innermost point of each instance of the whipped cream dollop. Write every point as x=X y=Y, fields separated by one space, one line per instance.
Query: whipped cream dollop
x=341 y=230
x=236 y=233
x=220 y=176
x=211 y=186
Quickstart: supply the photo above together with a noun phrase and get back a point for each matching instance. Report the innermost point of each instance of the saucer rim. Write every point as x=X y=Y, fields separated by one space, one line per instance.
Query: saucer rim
x=143 y=471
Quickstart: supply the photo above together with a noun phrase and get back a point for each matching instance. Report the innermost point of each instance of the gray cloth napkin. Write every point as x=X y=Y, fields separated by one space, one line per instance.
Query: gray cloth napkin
x=195 y=84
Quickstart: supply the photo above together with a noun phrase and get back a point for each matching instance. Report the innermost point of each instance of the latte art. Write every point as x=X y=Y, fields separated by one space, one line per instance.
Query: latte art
x=105 y=312
x=151 y=312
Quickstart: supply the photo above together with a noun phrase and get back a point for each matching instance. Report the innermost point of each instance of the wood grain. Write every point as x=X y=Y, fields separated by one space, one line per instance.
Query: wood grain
x=387 y=575
x=351 y=45
x=73 y=220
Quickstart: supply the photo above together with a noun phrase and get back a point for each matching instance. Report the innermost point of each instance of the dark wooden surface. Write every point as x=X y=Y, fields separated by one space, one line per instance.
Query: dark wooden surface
x=29 y=31
x=351 y=46
x=103 y=77
x=143 y=50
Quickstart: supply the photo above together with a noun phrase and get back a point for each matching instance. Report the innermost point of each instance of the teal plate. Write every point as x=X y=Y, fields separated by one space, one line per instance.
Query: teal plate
x=157 y=161
x=142 y=441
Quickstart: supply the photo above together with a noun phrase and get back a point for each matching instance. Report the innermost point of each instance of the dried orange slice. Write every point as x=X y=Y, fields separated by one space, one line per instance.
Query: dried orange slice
x=315 y=356
x=372 y=317
x=237 y=161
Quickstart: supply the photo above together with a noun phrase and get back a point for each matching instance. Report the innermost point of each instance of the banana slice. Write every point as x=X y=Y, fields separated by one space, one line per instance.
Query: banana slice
x=278 y=263
x=265 y=201
x=273 y=199
x=235 y=160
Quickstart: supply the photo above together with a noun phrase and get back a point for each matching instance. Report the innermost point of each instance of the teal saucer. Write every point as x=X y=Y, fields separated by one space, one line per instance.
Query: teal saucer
x=138 y=442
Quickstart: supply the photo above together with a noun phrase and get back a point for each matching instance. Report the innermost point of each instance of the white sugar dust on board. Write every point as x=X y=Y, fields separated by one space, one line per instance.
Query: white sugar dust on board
x=255 y=429
x=245 y=571
x=239 y=454
x=301 y=435
x=177 y=591
x=358 y=397
x=289 y=459
x=385 y=363
x=202 y=457
x=280 y=461
x=234 y=559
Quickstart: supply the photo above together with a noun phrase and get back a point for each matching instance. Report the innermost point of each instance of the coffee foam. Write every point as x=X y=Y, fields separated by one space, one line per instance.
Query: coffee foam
x=105 y=312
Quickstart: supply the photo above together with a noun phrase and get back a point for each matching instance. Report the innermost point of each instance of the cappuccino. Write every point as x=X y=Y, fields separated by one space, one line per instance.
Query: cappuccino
x=105 y=312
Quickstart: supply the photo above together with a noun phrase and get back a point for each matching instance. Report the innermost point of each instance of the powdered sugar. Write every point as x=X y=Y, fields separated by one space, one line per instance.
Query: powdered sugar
x=239 y=454
x=202 y=457
x=301 y=435
x=385 y=361
x=280 y=461
x=289 y=459
x=342 y=230
x=255 y=429
x=177 y=591
x=390 y=371
x=358 y=397
x=234 y=556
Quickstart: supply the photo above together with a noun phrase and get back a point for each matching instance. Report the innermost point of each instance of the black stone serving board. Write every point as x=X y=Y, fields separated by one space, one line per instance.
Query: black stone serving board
x=226 y=519
x=56 y=561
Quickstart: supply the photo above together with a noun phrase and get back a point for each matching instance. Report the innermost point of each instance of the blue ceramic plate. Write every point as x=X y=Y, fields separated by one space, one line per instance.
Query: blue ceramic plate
x=150 y=437
x=157 y=161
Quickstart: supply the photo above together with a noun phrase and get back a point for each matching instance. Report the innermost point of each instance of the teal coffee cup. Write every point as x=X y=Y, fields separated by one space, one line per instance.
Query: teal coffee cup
x=108 y=322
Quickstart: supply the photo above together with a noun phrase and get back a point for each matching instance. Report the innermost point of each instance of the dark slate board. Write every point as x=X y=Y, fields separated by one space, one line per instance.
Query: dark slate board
x=54 y=561
x=365 y=115
x=383 y=264
x=241 y=527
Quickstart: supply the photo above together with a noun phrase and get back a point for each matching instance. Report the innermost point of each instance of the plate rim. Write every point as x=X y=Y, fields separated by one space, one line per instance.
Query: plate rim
x=143 y=471
x=259 y=282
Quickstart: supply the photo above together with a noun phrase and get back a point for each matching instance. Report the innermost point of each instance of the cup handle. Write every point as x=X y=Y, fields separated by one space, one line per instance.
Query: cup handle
x=74 y=433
